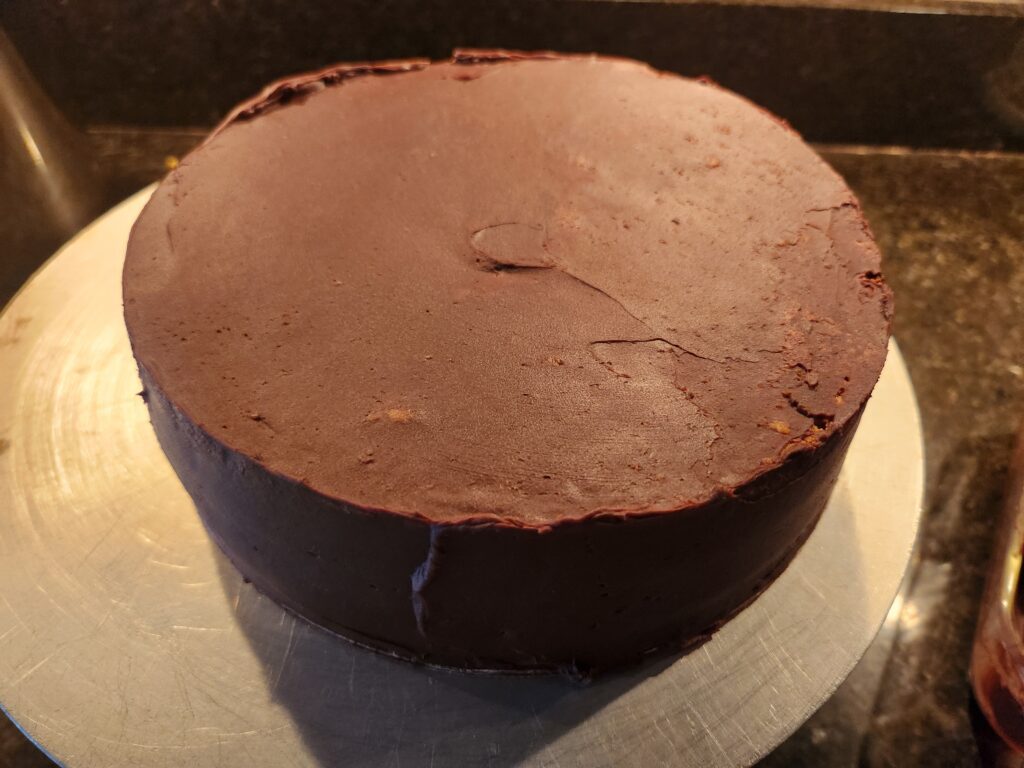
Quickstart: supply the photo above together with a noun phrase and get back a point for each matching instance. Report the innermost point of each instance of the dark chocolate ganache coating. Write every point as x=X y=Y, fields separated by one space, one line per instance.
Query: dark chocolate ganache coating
x=510 y=361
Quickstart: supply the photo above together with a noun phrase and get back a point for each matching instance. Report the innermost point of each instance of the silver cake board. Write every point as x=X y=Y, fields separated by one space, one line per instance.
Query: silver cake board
x=126 y=638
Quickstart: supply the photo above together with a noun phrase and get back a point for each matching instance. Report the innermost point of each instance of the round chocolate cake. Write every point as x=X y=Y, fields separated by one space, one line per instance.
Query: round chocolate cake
x=507 y=362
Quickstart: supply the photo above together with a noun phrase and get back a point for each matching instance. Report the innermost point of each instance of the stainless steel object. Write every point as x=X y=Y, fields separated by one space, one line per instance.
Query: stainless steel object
x=49 y=183
x=127 y=639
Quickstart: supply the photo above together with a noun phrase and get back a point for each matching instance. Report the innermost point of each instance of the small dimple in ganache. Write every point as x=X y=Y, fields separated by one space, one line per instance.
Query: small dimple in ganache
x=458 y=358
x=511 y=246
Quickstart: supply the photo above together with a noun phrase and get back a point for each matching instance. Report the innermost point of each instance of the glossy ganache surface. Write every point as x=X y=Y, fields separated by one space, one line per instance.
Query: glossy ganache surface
x=565 y=334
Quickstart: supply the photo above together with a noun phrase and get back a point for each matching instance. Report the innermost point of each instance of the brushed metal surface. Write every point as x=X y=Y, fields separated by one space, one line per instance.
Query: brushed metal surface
x=127 y=639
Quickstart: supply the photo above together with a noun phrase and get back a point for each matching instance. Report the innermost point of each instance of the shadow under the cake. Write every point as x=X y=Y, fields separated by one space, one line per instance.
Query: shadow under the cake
x=354 y=707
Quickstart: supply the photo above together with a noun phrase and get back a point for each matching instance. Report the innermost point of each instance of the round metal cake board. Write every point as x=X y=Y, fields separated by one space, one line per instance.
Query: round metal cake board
x=127 y=639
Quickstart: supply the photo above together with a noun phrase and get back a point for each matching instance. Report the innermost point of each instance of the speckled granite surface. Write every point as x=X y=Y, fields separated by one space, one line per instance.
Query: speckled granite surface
x=951 y=226
x=952 y=229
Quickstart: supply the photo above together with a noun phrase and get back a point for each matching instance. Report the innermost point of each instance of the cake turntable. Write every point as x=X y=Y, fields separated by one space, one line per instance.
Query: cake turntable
x=126 y=638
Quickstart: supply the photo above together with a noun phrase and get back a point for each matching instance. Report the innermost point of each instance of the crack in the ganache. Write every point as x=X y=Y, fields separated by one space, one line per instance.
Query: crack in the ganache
x=642 y=322
x=607 y=295
x=513 y=246
x=421 y=577
x=821 y=419
x=531 y=258
x=681 y=348
x=662 y=339
x=832 y=208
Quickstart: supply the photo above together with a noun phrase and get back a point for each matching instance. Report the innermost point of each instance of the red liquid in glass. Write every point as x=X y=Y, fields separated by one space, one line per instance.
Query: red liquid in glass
x=997 y=660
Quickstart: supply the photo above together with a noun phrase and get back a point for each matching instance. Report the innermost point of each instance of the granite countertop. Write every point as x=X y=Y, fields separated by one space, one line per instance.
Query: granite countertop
x=951 y=226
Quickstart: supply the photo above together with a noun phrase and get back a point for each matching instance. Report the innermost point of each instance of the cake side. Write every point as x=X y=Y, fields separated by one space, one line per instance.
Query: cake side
x=580 y=598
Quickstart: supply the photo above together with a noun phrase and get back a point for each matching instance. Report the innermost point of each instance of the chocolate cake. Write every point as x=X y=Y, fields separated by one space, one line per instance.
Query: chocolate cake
x=521 y=362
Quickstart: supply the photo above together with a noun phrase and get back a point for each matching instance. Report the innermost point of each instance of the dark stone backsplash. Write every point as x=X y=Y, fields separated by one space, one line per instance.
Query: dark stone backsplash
x=838 y=75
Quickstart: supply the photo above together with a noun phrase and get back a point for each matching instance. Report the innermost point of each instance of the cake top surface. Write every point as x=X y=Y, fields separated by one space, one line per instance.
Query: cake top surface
x=507 y=287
